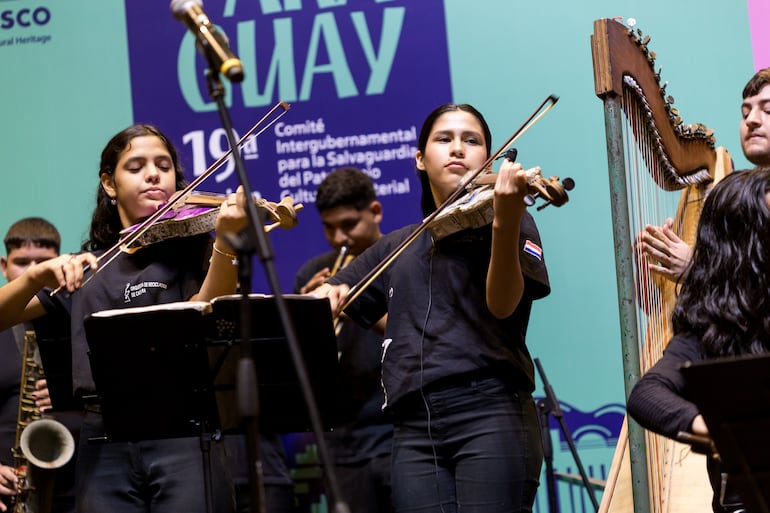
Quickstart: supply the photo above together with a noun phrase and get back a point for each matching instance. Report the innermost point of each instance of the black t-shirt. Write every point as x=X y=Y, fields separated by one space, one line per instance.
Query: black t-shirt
x=658 y=401
x=435 y=296
x=165 y=272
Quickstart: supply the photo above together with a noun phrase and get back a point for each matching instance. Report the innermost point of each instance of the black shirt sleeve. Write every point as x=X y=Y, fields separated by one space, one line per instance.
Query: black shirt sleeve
x=371 y=304
x=658 y=401
x=532 y=259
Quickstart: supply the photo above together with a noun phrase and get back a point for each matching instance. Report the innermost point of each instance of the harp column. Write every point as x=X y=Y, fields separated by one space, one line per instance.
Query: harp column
x=627 y=302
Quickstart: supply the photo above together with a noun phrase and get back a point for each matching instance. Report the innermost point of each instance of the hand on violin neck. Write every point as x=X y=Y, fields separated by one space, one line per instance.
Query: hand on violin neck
x=510 y=189
x=232 y=213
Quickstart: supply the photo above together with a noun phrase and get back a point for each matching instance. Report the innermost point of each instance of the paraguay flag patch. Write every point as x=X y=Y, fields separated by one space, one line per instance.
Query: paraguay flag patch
x=533 y=249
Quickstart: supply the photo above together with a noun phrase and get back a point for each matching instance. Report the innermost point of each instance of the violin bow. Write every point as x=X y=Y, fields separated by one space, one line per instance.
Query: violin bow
x=267 y=120
x=467 y=182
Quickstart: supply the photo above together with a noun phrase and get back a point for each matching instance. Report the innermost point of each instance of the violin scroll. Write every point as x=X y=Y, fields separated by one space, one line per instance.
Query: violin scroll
x=283 y=214
x=550 y=189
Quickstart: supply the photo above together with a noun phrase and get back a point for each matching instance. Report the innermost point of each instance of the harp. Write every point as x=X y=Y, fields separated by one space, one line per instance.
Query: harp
x=658 y=166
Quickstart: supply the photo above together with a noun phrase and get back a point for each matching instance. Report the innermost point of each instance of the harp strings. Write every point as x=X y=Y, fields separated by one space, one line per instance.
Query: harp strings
x=650 y=204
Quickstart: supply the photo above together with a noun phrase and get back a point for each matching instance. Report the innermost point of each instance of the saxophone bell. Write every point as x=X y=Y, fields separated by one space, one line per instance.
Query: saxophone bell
x=40 y=442
x=47 y=443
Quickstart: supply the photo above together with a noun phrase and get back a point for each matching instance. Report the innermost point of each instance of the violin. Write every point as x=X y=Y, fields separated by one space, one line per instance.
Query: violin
x=197 y=213
x=474 y=209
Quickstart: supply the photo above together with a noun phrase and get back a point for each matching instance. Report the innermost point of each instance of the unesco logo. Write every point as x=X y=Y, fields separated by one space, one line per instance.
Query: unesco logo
x=38 y=16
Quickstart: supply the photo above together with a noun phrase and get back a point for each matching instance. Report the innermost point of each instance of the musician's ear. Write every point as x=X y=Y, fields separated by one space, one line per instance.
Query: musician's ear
x=418 y=161
x=376 y=209
x=108 y=184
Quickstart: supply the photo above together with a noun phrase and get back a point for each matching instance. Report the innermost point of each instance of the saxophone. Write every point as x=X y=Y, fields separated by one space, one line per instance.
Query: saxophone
x=42 y=442
x=343 y=259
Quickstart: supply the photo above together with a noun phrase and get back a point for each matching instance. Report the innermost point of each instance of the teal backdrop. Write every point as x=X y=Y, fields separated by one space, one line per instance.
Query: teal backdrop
x=62 y=97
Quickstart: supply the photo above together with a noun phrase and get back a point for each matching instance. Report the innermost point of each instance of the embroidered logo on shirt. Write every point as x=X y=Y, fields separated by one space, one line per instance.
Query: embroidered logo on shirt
x=134 y=291
x=533 y=249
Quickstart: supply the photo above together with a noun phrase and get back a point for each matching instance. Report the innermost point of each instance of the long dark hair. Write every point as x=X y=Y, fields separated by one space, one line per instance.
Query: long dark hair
x=724 y=299
x=426 y=200
x=105 y=221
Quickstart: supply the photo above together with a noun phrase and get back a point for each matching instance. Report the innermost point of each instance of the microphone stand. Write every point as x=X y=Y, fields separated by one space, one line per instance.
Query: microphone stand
x=550 y=478
x=254 y=239
x=546 y=406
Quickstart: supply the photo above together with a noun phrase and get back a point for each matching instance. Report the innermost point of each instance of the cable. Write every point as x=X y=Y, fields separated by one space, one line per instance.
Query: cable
x=422 y=390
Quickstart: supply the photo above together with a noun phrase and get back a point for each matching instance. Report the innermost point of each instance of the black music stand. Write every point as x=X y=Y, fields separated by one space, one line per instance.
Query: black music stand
x=733 y=395
x=150 y=367
x=282 y=406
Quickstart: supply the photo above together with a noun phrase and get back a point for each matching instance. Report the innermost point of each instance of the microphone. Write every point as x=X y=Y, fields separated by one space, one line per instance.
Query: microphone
x=211 y=42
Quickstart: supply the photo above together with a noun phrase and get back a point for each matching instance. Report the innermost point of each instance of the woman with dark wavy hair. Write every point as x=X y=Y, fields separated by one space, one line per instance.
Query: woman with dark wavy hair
x=722 y=310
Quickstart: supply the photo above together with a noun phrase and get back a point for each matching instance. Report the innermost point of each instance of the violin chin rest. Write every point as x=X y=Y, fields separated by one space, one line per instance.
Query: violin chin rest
x=473 y=210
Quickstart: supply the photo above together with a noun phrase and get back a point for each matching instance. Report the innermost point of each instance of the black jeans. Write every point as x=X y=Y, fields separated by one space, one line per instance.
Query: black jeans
x=366 y=487
x=468 y=447
x=149 y=476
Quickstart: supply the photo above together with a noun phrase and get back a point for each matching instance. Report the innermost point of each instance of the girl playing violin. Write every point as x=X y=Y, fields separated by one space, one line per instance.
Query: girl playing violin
x=456 y=371
x=139 y=171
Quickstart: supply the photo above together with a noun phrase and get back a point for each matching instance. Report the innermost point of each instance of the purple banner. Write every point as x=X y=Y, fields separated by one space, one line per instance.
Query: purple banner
x=359 y=76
